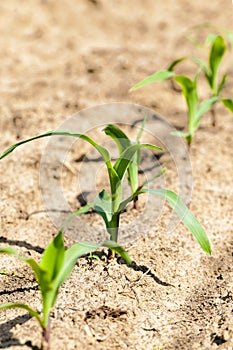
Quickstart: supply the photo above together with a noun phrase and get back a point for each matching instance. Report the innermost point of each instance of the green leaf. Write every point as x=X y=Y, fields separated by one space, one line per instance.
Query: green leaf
x=230 y=38
x=103 y=206
x=39 y=273
x=139 y=135
x=32 y=312
x=210 y=38
x=203 y=108
x=103 y=151
x=122 y=141
x=158 y=76
x=222 y=84
x=120 y=138
x=189 y=91
x=80 y=249
x=70 y=259
x=216 y=54
x=185 y=215
x=125 y=202
x=207 y=71
x=228 y=103
x=175 y=62
x=72 y=216
x=126 y=157
x=53 y=256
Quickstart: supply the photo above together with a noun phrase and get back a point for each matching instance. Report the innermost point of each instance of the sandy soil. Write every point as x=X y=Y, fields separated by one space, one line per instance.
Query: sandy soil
x=58 y=57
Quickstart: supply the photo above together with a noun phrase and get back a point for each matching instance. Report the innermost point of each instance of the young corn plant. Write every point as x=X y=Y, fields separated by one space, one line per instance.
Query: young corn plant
x=54 y=268
x=195 y=108
x=106 y=205
x=211 y=71
x=111 y=205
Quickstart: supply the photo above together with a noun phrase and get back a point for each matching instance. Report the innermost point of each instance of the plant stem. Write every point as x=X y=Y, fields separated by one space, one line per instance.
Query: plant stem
x=213 y=117
x=45 y=344
x=113 y=226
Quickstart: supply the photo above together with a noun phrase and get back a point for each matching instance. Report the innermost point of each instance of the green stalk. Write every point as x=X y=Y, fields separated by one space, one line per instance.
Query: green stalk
x=45 y=342
x=113 y=226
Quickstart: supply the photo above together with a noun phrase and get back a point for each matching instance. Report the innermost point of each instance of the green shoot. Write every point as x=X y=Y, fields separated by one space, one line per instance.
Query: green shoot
x=211 y=71
x=111 y=205
x=122 y=141
x=106 y=205
x=196 y=108
x=54 y=268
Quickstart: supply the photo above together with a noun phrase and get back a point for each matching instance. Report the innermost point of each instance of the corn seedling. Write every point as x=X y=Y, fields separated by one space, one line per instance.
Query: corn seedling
x=211 y=71
x=110 y=206
x=54 y=268
x=195 y=108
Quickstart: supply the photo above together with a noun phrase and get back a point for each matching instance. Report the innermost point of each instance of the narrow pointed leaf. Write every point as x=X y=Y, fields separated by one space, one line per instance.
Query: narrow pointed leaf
x=230 y=38
x=53 y=256
x=217 y=51
x=125 y=202
x=185 y=215
x=80 y=249
x=139 y=135
x=204 y=107
x=103 y=151
x=158 y=76
x=189 y=91
x=122 y=141
x=126 y=157
x=72 y=216
x=222 y=84
x=210 y=38
x=32 y=312
x=120 y=138
x=103 y=206
x=175 y=62
x=39 y=273
x=228 y=103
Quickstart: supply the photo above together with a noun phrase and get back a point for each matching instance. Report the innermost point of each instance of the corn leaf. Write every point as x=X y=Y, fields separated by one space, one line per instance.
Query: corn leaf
x=185 y=215
x=189 y=91
x=228 y=103
x=216 y=54
x=230 y=38
x=120 y=138
x=158 y=76
x=53 y=256
x=210 y=38
x=126 y=157
x=175 y=62
x=39 y=273
x=103 y=206
x=32 y=312
x=80 y=249
x=103 y=151
x=203 y=108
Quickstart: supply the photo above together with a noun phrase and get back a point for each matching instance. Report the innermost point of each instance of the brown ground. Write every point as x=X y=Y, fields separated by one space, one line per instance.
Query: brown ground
x=58 y=57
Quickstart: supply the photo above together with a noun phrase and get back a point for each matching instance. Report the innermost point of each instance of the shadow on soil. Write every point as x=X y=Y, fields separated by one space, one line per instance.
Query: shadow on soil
x=21 y=244
x=6 y=336
x=147 y=271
